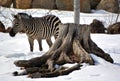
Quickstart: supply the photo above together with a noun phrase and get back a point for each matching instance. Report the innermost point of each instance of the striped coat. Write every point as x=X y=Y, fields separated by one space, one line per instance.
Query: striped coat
x=36 y=28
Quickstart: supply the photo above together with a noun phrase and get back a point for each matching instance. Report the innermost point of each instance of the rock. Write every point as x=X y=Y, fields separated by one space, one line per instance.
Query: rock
x=68 y=5
x=85 y=6
x=8 y=30
x=97 y=27
x=114 y=28
x=109 y=5
x=2 y=27
x=64 y=4
x=5 y=3
x=47 y=4
x=94 y=3
x=22 y=4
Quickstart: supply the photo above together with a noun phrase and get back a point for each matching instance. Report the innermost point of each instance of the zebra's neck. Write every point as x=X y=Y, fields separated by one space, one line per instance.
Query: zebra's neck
x=27 y=25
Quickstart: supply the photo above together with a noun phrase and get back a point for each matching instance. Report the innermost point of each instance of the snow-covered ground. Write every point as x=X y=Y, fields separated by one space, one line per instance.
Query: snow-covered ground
x=17 y=48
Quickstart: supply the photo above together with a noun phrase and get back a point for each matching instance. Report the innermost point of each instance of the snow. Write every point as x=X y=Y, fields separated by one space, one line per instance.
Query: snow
x=12 y=49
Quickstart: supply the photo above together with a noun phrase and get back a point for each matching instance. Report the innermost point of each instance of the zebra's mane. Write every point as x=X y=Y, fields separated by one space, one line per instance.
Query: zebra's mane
x=24 y=15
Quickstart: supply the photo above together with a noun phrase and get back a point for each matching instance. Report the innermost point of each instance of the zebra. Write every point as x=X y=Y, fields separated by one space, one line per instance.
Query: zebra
x=36 y=28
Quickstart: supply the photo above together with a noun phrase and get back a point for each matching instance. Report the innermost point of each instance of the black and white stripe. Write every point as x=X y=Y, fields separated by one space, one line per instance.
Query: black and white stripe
x=36 y=27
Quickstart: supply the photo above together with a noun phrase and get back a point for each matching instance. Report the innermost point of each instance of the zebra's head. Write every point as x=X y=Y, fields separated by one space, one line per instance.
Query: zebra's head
x=16 y=24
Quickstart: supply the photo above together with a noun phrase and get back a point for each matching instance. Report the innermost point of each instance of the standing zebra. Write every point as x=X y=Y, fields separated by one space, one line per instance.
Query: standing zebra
x=36 y=28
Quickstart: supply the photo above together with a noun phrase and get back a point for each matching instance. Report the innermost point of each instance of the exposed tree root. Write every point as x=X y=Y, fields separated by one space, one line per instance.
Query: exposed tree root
x=72 y=46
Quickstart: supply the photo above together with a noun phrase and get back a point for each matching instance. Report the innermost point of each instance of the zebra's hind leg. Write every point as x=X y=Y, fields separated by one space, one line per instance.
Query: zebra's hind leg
x=49 y=41
x=31 y=42
x=40 y=44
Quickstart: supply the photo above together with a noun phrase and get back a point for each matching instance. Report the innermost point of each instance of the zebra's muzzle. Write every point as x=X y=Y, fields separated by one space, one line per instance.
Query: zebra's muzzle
x=11 y=33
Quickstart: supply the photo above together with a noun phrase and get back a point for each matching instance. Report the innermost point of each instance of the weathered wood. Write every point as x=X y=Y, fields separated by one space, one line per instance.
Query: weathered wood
x=36 y=72
x=56 y=72
x=73 y=45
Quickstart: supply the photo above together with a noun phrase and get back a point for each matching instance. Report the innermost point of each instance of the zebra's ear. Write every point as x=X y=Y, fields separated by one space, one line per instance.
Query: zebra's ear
x=14 y=16
x=30 y=16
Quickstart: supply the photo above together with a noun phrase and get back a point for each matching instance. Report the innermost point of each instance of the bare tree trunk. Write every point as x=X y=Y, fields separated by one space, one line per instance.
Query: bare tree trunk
x=73 y=45
x=76 y=11
x=118 y=13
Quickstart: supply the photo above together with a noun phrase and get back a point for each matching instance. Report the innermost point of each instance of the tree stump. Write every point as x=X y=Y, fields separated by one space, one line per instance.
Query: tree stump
x=73 y=45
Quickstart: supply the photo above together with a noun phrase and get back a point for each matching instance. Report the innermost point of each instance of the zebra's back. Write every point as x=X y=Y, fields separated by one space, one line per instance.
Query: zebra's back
x=43 y=27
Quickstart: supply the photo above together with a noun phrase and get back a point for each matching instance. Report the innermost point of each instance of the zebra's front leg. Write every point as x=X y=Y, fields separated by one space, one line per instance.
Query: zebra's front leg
x=40 y=44
x=49 y=41
x=31 y=43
